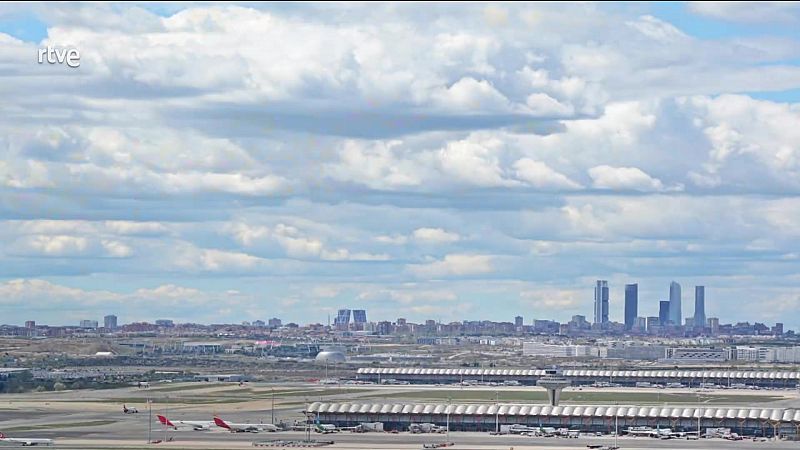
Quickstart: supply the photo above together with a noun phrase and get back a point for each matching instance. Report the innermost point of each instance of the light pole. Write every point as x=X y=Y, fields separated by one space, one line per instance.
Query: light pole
x=616 y=424
x=273 y=406
x=166 y=414
x=149 y=421
x=308 y=421
x=497 y=412
x=698 y=416
x=448 y=419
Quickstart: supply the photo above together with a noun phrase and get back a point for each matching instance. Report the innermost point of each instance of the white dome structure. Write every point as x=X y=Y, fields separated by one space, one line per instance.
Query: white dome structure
x=330 y=357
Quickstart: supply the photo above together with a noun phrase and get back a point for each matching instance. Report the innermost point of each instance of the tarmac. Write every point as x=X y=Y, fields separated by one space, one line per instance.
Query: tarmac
x=93 y=419
x=128 y=439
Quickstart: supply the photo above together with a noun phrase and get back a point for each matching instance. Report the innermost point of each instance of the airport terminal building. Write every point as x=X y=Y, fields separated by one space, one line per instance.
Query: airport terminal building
x=578 y=377
x=487 y=417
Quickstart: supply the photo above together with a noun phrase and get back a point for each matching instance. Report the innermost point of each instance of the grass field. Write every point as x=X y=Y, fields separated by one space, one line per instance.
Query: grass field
x=50 y=426
x=177 y=400
x=253 y=392
x=183 y=387
x=312 y=392
x=578 y=397
x=225 y=396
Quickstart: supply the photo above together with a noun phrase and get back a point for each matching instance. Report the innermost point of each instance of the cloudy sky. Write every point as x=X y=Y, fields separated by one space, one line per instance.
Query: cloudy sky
x=455 y=161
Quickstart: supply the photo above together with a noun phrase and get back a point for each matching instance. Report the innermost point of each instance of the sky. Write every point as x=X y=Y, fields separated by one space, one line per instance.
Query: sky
x=220 y=163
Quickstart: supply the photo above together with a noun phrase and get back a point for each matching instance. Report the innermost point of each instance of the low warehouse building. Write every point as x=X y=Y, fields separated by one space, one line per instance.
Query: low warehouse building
x=485 y=417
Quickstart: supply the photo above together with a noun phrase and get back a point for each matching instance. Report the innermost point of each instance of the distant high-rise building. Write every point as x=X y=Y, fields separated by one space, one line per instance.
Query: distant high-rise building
x=631 y=305
x=578 y=322
x=518 y=321
x=30 y=324
x=89 y=324
x=384 y=327
x=699 y=306
x=601 y=302
x=275 y=322
x=259 y=323
x=713 y=323
x=110 y=322
x=359 y=316
x=663 y=312
x=652 y=323
x=675 y=315
x=167 y=323
x=342 y=319
x=359 y=320
x=639 y=324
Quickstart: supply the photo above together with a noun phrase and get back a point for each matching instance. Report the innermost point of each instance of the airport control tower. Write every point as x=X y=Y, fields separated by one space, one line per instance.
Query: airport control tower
x=554 y=383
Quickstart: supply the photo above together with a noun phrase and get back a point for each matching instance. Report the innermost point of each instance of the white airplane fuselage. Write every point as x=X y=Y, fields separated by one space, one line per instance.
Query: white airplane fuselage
x=26 y=442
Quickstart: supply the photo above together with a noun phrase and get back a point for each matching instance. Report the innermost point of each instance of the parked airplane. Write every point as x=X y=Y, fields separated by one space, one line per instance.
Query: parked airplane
x=661 y=433
x=547 y=431
x=26 y=442
x=244 y=427
x=195 y=425
x=416 y=428
x=324 y=428
x=130 y=410
x=642 y=431
x=517 y=429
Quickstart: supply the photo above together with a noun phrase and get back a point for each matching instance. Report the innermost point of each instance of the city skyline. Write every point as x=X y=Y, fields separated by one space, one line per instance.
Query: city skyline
x=612 y=310
x=600 y=302
x=442 y=161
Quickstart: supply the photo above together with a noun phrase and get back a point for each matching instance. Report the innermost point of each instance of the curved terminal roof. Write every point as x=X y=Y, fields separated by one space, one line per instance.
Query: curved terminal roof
x=638 y=374
x=765 y=414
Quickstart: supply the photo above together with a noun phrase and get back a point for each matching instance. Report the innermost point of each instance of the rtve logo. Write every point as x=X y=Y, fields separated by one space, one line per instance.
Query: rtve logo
x=68 y=56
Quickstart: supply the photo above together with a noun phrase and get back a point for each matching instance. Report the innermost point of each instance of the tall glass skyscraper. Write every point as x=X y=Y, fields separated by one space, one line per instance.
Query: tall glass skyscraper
x=663 y=312
x=359 y=316
x=699 y=306
x=601 y=302
x=342 y=318
x=631 y=305
x=675 y=315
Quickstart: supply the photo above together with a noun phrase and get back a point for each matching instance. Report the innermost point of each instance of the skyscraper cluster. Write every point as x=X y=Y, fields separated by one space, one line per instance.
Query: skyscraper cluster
x=669 y=311
x=342 y=319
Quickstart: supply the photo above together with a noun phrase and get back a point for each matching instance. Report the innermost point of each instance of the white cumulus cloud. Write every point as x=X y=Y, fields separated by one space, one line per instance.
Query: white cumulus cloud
x=453 y=265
